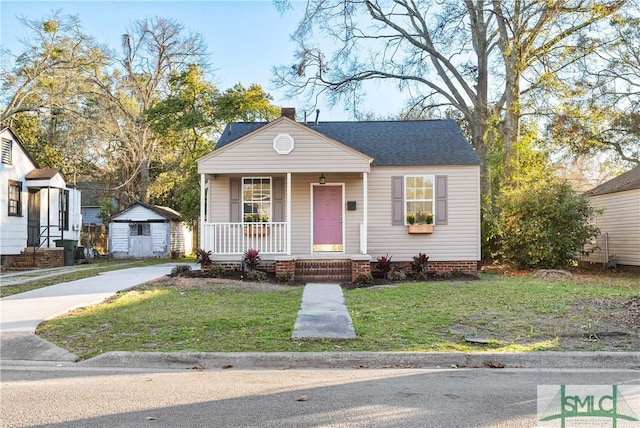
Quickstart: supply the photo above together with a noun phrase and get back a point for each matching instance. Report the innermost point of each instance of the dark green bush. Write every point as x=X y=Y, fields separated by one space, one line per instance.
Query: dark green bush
x=364 y=279
x=545 y=225
x=256 y=275
x=179 y=270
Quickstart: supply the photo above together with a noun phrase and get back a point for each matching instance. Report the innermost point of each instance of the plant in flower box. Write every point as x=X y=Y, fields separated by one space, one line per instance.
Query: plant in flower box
x=411 y=218
x=424 y=218
x=257 y=229
x=423 y=223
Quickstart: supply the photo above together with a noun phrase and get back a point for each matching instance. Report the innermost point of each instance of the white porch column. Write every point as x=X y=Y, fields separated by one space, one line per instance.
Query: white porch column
x=202 y=210
x=365 y=213
x=288 y=213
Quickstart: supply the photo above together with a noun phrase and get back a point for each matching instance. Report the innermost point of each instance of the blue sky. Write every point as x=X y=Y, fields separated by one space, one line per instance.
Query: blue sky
x=245 y=38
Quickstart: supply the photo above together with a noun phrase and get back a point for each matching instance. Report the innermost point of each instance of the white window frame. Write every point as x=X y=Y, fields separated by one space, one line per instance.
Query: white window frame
x=243 y=201
x=406 y=200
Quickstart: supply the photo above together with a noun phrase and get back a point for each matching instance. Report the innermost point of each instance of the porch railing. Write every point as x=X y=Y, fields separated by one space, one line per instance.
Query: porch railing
x=236 y=238
x=43 y=236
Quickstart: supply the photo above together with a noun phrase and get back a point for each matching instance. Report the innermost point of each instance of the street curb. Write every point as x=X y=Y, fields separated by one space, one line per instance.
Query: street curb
x=372 y=360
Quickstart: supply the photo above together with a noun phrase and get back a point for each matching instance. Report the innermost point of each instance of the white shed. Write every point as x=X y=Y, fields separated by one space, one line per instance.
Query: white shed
x=144 y=230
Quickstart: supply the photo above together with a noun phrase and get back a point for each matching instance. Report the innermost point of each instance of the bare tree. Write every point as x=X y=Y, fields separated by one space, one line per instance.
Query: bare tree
x=604 y=118
x=478 y=56
x=152 y=50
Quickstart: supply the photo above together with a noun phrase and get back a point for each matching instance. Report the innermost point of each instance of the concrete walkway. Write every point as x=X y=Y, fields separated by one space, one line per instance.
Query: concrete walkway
x=20 y=314
x=21 y=277
x=323 y=314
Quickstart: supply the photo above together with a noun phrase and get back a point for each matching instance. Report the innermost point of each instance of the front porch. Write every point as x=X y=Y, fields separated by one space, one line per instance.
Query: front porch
x=227 y=239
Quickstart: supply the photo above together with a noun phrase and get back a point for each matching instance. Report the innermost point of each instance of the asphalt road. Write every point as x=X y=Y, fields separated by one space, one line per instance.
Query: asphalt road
x=73 y=396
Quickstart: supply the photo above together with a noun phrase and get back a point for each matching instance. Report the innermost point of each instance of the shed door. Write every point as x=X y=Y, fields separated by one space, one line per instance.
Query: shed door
x=327 y=218
x=140 y=243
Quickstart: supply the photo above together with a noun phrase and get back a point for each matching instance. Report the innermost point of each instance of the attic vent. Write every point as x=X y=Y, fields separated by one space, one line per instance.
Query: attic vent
x=283 y=144
x=6 y=152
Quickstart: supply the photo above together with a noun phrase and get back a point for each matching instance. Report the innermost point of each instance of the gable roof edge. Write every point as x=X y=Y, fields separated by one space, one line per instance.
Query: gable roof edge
x=22 y=146
x=300 y=126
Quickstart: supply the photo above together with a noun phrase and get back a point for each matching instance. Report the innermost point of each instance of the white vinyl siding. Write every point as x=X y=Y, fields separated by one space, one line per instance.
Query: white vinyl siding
x=301 y=208
x=621 y=222
x=312 y=153
x=459 y=239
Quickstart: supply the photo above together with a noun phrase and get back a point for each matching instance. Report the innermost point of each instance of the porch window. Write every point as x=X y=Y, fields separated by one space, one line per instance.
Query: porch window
x=256 y=199
x=63 y=211
x=15 y=198
x=418 y=194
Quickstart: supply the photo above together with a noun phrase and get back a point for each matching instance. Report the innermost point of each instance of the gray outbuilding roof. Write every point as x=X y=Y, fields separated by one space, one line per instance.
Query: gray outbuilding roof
x=166 y=212
x=389 y=143
x=630 y=180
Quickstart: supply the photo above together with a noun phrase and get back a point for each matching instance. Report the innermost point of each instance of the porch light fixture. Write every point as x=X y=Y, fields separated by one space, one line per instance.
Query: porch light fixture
x=322 y=180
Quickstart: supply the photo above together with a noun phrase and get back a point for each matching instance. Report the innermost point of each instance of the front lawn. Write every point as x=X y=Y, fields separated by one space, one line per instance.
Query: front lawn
x=588 y=312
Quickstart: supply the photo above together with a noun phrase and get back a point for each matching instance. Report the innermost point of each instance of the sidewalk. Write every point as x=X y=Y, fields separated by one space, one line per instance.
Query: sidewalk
x=21 y=277
x=20 y=314
x=323 y=314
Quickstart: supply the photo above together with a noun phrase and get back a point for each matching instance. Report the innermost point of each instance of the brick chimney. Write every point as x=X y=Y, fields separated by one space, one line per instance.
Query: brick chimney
x=289 y=112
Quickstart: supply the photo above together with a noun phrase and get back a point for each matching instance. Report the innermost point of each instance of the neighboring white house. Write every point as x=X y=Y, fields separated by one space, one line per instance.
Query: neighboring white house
x=144 y=230
x=302 y=193
x=619 y=223
x=37 y=208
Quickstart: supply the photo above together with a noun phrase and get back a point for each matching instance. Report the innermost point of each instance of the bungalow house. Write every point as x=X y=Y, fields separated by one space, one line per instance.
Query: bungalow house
x=323 y=200
x=619 y=224
x=145 y=230
x=39 y=210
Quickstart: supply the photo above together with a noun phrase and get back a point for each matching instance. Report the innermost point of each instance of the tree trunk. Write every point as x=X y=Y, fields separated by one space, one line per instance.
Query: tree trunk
x=511 y=120
x=145 y=181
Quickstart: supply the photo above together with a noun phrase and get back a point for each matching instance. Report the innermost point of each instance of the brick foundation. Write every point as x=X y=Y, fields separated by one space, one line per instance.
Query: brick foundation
x=342 y=270
x=467 y=267
x=286 y=268
x=360 y=267
x=43 y=258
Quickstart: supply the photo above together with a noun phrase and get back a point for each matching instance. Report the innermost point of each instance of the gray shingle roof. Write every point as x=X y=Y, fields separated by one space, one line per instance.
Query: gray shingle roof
x=389 y=143
x=630 y=180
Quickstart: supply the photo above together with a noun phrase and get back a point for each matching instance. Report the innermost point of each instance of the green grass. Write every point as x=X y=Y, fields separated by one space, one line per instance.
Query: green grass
x=85 y=272
x=222 y=320
x=517 y=314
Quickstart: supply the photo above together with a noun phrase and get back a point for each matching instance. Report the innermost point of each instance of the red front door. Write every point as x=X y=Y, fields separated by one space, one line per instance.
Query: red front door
x=327 y=218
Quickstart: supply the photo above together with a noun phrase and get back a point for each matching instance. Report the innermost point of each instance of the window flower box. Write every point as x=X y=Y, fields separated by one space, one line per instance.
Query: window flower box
x=420 y=222
x=256 y=229
x=420 y=228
